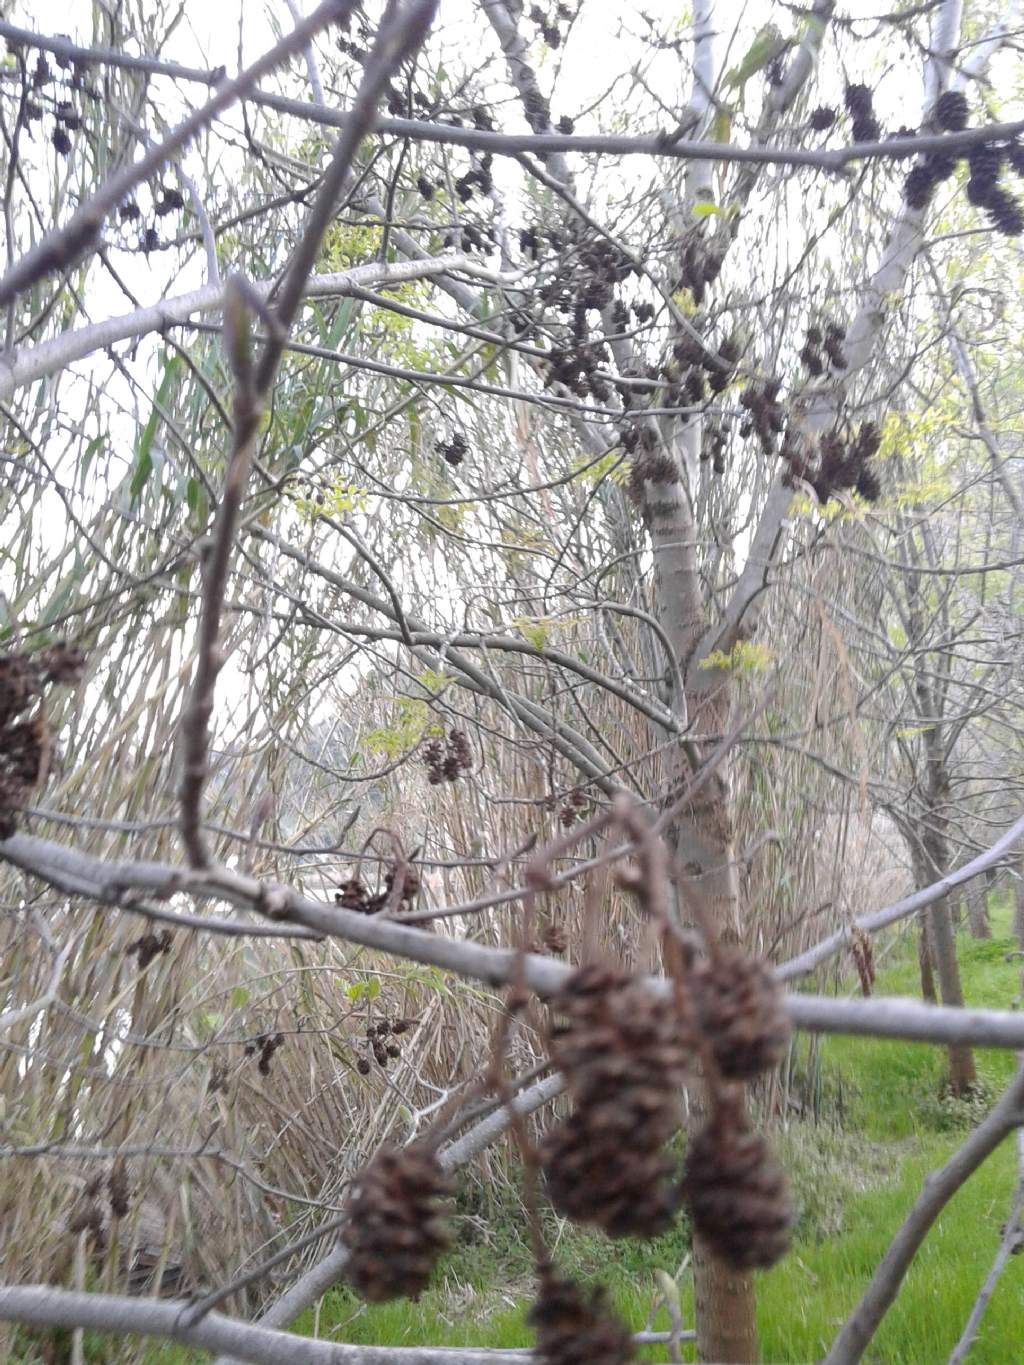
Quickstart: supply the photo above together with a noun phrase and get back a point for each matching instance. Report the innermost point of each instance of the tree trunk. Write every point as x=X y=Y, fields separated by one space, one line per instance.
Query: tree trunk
x=724 y=1307
x=724 y=1298
x=924 y=961
x=963 y=1075
x=1018 y=902
x=928 y=858
x=977 y=909
x=956 y=907
x=929 y=851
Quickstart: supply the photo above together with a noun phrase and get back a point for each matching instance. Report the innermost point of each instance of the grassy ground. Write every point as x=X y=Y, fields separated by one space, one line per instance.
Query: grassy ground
x=853 y=1185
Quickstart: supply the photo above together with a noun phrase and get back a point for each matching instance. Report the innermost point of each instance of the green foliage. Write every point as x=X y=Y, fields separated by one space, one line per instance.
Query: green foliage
x=746 y=657
x=534 y=629
x=338 y=501
x=145 y=455
x=434 y=680
x=767 y=45
x=612 y=466
x=412 y=718
x=344 y=246
x=369 y=989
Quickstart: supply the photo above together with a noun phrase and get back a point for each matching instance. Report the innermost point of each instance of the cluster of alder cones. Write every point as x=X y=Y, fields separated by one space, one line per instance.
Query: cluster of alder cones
x=448 y=759
x=149 y=946
x=265 y=1044
x=838 y=463
x=89 y=1215
x=985 y=162
x=625 y=1053
x=382 y=1043
x=985 y=159
x=353 y=894
x=584 y=282
x=547 y=24
x=572 y=809
x=454 y=450
x=55 y=95
x=63 y=97
x=24 y=738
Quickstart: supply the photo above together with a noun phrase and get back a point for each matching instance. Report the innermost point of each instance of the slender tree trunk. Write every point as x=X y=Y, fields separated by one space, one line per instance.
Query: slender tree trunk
x=928 y=855
x=1018 y=901
x=929 y=850
x=963 y=1075
x=977 y=909
x=724 y=1305
x=924 y=961
x=724 y=1299
x=956 y=907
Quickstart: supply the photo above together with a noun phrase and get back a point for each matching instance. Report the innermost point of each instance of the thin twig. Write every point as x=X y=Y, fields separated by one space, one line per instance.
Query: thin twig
x=401 y=35
x=63 y=247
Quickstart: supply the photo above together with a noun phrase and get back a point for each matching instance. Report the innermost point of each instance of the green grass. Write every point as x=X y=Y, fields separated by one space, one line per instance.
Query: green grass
x=853 y=1185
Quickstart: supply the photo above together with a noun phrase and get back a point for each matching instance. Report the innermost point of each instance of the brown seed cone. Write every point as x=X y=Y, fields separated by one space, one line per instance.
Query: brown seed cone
x=397 y=1226
x=574 y=1327
x=739 y=1005
x=737 y=1194
x=18 y=685
x=616 y=1033
x=606 y=1165
x=554 y=936
x=119 y=1189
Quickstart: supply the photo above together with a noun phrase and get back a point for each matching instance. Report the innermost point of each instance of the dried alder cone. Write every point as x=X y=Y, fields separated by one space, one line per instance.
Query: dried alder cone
x=397 y=1223
x=740 y=1008
x=574 y=1327
x=603 y=1165
x=446 y=761
x=623 y=1053
x=354 y=895
x=24 y=739
x=737 y=1192
x=615 y=1033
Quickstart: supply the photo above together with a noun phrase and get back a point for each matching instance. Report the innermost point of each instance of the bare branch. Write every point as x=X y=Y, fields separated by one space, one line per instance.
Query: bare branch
x=833 y=161
x=63 y=247
x=891 y=914
x=112 y=882
x=856 y=1333
x=400 y=36
x=44 y=1306
x=1008 y=1244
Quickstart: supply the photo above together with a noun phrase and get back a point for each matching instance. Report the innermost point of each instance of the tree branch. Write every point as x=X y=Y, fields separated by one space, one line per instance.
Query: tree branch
x=857 y=1332
x=51 y=357
x=44 y=1306
x=901 y=909
x=601 y=144
x=63 y=247
x=114 y=883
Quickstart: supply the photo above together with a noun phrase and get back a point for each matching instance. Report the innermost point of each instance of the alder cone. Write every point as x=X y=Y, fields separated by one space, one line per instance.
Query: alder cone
x=554 y=937
x=919 y=186
x=737 y=1194
x=951 y=111
x=606 y=1165
x=617 y=1034
x=739 y=1005
x=574 y=1327
x=397 y=1226
x=624 y=1054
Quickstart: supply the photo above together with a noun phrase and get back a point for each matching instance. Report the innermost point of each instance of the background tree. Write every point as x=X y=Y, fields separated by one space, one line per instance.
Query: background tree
x=564 y=465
